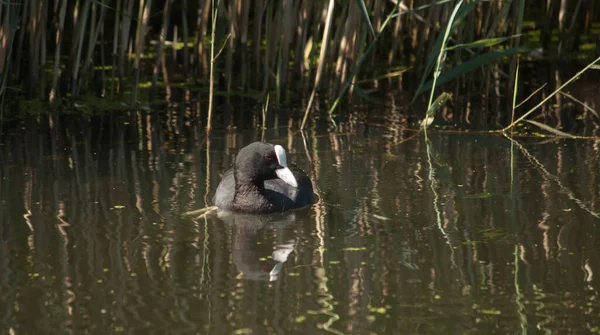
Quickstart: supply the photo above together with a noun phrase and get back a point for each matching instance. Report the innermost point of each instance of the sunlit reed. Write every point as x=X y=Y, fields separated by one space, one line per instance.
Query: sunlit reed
x=271 y=46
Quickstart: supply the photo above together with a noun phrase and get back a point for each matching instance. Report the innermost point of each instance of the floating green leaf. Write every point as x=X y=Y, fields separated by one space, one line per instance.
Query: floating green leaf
x=355 y=249
x=490 y=311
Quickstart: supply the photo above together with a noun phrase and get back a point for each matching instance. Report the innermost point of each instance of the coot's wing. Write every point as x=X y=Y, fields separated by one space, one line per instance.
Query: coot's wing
x=283 y=196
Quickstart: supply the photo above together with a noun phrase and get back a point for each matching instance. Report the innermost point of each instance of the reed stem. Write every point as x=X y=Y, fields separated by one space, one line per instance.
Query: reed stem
x=215 y=12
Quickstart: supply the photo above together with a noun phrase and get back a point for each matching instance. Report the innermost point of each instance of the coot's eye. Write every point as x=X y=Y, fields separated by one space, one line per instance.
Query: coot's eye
x=267 y=157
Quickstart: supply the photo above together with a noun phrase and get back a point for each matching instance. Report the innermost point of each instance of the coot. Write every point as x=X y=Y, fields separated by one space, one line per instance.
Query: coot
x=261 y=181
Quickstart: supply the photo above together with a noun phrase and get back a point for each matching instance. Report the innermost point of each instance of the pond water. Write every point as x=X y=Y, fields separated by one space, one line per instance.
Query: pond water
x=456 y=233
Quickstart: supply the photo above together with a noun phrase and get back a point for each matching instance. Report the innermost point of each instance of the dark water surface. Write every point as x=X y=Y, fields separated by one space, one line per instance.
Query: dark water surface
x=462 y=233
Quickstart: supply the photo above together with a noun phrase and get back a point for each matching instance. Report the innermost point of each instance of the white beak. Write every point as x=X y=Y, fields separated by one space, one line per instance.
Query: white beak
x=284 y=174
x=287 y=176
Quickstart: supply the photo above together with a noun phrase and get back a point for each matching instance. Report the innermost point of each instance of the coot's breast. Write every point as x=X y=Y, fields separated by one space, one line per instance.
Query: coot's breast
x=280 y=194
x=225 y=191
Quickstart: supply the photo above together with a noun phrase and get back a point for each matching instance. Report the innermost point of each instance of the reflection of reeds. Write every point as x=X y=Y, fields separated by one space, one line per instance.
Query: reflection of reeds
x=584 y=205
x=64 y=227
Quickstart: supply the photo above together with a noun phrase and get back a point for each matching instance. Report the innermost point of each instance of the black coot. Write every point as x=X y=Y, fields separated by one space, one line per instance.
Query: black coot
x=261 y=181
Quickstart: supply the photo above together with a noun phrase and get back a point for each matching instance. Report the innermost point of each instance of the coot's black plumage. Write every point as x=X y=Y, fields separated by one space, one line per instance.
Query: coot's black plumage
x=261 y=181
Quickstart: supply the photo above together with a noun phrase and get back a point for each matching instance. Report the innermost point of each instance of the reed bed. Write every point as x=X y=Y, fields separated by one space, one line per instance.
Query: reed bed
x=55 y=49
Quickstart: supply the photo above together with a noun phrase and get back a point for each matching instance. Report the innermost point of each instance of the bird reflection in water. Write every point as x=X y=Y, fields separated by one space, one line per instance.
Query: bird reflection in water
x=253 y=252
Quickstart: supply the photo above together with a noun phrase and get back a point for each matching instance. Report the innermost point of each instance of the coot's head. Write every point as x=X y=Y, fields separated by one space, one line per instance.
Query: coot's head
x=260 y=161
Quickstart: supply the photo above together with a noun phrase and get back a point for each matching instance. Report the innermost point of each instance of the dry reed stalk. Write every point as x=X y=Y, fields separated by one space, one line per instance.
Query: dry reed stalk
x=92 y=32
x=407 y=46
x=165 y=76
x=361 y=61
x=345 y=35
x=215 y=14
x=102 y=91
x=321 y=63
x=500 y=18
x=318 y=23
x=161 y=45
x=466 y=32
x=353 y=45
x=34 y=23
x=243 y=41
x=562 y=25
x=548 y=23
x=230 y=45
x=484 y=23
x=7 y=36
x=337 y=38
x=378 y=10
x=205 y=24
x=269 y=45
x=394 y=48
x=514 y=63
x=186 y=49
x=278 y=24
x=143 y=16
x=264 y=116
x=58 y=40
x=95 y=33
x=174 y=43
x=200 y=65
x=288 y=23
x=114 y=50
x=301 y=35
x=197 y=50
x=424 y=36
x=127 y=17
x=569 y=35
x=259 y=9
x=24 y=18
x=361 y=44
x=95 y=29
x=43 y=48
x=79 y=41
x=540 y=104
x=589 y=18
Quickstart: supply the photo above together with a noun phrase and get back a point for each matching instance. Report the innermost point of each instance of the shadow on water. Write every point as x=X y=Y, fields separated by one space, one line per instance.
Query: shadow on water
x=461 y=233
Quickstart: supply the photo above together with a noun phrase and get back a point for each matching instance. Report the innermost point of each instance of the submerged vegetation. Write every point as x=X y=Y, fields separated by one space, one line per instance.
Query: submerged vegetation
x=60 y=50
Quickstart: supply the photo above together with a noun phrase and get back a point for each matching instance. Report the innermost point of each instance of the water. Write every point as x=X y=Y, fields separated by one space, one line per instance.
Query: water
x=462 y=233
